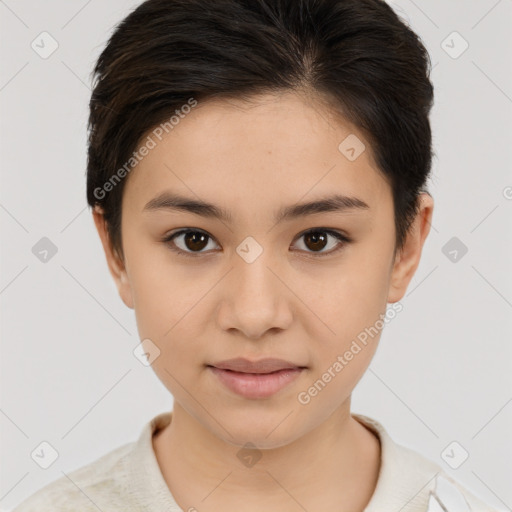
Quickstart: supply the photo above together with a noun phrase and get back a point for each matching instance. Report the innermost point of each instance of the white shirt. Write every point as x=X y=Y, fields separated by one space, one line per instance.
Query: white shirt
x=129 y=479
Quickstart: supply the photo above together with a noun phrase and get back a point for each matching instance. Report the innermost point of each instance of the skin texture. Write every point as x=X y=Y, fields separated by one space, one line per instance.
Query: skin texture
x=290 y=302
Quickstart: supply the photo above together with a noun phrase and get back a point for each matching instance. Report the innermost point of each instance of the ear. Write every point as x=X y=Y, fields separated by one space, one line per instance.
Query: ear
x=408 y=258
x=115 y=264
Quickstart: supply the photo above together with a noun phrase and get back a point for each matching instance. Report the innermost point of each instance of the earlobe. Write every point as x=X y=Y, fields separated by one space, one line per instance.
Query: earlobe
x=115 y=264
x=408 y=258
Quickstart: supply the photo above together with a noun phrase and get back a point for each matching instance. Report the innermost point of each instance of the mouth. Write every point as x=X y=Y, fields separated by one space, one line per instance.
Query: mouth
x=267 y=365
x=257 y=380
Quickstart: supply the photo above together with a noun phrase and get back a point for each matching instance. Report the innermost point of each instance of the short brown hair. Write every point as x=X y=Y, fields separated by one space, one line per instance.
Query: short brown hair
x=357 y=53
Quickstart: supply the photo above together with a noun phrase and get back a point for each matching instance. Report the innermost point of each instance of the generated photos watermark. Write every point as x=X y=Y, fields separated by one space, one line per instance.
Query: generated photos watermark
x=304 y=397
x=144 y=149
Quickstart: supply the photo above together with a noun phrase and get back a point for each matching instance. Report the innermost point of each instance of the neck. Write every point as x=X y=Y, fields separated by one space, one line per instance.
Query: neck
x=333 y=467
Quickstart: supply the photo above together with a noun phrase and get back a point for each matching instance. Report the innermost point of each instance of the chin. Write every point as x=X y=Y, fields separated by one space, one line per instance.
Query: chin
x=266 y=431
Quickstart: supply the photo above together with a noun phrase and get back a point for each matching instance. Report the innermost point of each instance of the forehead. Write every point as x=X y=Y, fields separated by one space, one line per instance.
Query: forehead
x=275 y=149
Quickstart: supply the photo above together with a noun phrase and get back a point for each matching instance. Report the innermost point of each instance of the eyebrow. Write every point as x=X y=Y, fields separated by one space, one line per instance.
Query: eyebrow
x=175 y=202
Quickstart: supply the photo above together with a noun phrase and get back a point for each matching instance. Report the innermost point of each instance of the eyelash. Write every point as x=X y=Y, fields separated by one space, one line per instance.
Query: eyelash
x=339 y=236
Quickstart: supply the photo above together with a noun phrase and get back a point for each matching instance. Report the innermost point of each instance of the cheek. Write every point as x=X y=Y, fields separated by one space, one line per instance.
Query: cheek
x=163 y=294
x=351 y=305
x=353 y=309
x=356 y=295
x=168 y=310
x=168 y=318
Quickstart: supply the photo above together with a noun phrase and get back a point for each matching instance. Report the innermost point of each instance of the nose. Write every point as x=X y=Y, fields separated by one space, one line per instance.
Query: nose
x=254 y=298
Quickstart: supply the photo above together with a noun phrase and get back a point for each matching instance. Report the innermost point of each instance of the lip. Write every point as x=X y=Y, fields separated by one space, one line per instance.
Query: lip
x=256 y=385
x=256 y=379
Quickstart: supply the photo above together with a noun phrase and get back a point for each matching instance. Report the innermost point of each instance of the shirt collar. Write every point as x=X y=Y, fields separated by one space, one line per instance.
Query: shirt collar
x=404 y=482
x=405 y=476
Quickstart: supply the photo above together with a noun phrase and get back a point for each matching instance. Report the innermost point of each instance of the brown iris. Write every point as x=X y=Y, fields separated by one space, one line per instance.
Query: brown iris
x=195 y=240
x=317 y=239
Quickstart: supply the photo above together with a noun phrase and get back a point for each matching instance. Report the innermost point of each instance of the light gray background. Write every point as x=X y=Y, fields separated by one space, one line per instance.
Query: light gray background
x=442 y=372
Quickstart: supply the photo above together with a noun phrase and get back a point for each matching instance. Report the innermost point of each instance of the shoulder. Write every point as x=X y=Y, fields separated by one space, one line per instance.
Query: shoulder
x=88 y=488
x=442 y=491
x=445 y=493
x=449 y=495
x=414 y=482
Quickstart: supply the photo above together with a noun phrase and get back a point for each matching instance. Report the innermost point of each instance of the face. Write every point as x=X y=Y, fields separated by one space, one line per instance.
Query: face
x=267 y=279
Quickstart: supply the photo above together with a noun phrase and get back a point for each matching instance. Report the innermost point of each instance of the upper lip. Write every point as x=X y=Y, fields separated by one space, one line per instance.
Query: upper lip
x=266 y=365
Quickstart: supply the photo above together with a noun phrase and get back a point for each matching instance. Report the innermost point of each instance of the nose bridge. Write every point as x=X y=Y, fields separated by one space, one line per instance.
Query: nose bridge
x=254 y=299
x=253 y=274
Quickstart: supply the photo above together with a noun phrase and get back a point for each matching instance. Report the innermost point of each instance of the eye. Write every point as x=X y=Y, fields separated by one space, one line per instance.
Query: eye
x=318 y=238
x=194 y=241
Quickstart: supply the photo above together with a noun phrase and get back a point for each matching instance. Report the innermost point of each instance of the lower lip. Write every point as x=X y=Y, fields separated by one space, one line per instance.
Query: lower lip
x=254 y=385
